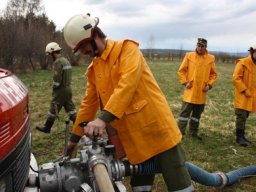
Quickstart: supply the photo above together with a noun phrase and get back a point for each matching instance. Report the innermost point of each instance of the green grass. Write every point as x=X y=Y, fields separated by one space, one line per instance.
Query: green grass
x=218 y=151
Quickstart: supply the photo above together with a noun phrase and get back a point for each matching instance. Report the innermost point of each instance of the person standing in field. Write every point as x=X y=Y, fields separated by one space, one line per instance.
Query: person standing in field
x=244 y=80
x=120 y=83
x=197 y=74
x=61 y=88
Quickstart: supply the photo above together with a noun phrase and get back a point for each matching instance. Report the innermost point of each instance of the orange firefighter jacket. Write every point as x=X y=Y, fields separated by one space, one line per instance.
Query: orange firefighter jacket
x=200 y=71
x=244 y=78
x=121 y=78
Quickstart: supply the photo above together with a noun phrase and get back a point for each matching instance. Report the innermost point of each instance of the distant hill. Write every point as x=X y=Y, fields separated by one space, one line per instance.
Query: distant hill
x=178 y=52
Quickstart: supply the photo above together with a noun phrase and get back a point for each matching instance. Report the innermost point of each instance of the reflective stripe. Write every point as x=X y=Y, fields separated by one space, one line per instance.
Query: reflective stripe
x=56 y=83
x=142 y=188
x=183 y=119
x=67 y=67
x=188 y=189
x=72 y=112
x=194 y=119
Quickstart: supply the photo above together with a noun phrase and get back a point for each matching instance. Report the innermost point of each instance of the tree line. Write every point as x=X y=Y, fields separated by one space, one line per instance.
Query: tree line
x=25 y=30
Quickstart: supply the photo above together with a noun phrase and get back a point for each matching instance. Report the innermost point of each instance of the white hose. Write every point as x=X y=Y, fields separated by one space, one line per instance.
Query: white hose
x=102 y=178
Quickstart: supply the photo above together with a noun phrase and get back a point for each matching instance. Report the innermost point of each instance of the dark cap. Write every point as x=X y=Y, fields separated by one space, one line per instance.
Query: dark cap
x=202 y=41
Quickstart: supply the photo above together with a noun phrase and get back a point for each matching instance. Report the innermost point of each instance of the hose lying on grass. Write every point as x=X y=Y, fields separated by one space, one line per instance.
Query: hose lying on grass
x=219 y=179
x=199 y=175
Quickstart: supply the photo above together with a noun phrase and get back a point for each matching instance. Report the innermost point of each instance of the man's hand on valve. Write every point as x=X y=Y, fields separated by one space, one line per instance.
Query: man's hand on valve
x=94 y=127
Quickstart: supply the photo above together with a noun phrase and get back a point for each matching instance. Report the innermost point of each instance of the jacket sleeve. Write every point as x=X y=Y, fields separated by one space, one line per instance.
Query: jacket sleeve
x=238 y=77
x=88 y=108
x=182 y=72
x=213 y=74
x=130 y=69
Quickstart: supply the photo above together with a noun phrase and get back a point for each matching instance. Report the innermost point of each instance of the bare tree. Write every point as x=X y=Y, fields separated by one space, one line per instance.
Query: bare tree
x=151 y=46
x=25 y=31
x=8 y=38
x=21 y=8
x=180 y=52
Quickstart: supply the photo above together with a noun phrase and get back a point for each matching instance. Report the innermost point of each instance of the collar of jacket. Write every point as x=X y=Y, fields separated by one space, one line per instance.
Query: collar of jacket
x=110 y=45
x=107 y=50
x=105 y=53
x=252 y=58
x=246 y=61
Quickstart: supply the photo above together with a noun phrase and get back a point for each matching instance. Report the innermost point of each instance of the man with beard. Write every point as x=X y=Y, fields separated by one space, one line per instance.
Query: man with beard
x=198 y=74
x=244 y=81
x=120 y=83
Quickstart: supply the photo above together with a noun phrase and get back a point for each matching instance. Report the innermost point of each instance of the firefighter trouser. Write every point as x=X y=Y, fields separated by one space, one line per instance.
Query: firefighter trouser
x=190 y=112
x=172 y=166
x=62 y=97
x=241 y=117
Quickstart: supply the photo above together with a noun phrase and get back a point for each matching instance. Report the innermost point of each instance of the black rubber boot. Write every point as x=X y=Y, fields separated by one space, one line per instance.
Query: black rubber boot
x=240 y=138
x=196 y=136
x=46 y=128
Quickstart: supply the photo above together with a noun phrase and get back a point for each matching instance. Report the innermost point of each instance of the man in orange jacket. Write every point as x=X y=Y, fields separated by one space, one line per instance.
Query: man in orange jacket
x=198 y=74
x=120 y=83
x=245 y=93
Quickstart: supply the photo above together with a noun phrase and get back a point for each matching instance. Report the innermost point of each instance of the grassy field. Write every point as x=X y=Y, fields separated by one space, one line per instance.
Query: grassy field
x=217 y=152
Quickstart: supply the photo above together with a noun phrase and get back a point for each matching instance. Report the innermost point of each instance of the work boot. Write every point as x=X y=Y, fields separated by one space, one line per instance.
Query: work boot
x=46 y=128
x=196 y=136
x=241 y=140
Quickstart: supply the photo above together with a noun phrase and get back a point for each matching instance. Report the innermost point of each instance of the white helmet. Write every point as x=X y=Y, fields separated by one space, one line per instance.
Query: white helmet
x=78 y=29
x=52 y=47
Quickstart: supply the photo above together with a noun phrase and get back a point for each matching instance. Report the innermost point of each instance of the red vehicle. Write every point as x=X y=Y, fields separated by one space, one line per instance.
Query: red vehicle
x=18 y=167
x=15 y=137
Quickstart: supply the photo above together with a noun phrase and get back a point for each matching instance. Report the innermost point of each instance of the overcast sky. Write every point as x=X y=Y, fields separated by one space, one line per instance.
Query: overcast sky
x=228 y=25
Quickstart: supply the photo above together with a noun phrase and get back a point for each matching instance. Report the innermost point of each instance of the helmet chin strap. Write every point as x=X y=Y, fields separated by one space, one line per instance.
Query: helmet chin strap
x=95 y=48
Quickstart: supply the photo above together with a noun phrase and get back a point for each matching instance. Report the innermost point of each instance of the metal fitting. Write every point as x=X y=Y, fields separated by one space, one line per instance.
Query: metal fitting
x=224 y=179
x=97 y=159
x=118 y=170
